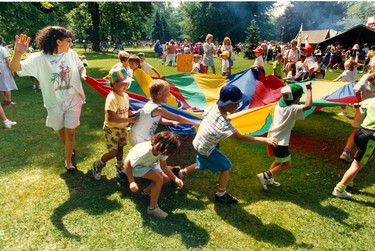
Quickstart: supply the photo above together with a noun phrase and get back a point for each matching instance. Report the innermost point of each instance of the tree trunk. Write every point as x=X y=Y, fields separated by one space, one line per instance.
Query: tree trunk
x=95 y=17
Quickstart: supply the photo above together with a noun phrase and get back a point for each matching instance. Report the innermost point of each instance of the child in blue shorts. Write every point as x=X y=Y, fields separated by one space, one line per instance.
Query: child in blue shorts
x=214 y=128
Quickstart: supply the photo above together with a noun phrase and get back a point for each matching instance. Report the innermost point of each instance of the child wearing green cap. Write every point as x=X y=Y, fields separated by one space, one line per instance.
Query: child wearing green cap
x=286 y=112
x=146 y=67
x=116 y=119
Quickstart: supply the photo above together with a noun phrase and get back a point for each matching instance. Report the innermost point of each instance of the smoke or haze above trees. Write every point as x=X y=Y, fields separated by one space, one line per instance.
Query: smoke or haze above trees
x=192 y=20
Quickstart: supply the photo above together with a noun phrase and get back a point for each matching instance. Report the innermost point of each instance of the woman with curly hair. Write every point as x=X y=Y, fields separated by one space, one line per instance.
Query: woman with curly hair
x=58 y=70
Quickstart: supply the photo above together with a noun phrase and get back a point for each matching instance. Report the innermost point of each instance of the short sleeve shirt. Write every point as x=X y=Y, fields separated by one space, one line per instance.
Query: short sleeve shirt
x=284 y=119
x=365 y=87
x=119 y=105
x=58 y=75
x=214 y=127
x=141 y=155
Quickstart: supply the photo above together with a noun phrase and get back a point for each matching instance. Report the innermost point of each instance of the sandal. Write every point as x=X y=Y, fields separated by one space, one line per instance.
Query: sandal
x=71 y=170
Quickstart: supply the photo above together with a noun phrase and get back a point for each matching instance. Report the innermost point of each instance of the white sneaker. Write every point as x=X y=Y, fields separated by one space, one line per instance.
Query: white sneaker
x=157 y=212
x=8 y=124
x=341 y=194
x=346 y=157
x=262 y=181
x=272 y=183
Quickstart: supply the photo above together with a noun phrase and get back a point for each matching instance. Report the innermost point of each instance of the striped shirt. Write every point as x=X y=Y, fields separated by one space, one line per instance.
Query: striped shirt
x=214 y=127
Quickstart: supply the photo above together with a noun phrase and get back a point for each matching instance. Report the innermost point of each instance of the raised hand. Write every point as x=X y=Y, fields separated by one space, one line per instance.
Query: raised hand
x=21 y=44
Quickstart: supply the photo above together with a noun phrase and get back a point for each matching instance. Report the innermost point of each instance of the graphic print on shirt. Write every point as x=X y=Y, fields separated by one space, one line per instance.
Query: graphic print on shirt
x=61 y=80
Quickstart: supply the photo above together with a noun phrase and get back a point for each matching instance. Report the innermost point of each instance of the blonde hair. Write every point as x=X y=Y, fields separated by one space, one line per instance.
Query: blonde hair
x=209 y=36
x=123 y=56
x=350 y=64
x=197 y=56
x=227 y=41
x=156 y=86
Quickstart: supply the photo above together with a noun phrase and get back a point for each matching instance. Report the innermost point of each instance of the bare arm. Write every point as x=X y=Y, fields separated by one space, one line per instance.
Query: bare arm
x=252 y=139
x=129 y=172
x=308 y=102
x=157 y=73
x=82 y=73
x=171 y=116
x=179 y=183
x=21 y=44
x=113 y=117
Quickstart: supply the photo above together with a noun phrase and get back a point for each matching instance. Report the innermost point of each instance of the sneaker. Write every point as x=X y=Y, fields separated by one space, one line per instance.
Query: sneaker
x=226 y=198
x=8 y=124
x=119 y=168
x=272 y=183
x=121 y=177
x=262 y=181
x=346 y=157
x=97 y=169
x=157 y=212
x=341 y=193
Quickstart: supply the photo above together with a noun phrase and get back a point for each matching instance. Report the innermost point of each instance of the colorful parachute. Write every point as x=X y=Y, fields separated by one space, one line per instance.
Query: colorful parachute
x=192 y=93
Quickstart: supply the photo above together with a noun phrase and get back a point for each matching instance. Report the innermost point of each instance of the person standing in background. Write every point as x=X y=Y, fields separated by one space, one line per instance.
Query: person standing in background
x=7 y=83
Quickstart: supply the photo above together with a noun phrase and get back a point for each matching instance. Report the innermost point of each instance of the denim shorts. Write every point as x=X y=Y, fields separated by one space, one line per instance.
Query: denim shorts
x=216 y=162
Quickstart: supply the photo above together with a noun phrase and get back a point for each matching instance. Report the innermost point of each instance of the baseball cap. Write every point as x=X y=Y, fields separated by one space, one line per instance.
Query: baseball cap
x=141 y=54
x=259 y=49
x=225 y=53
x=119 y=75
x=230 y=94
x=290 y=93
x=308 y=48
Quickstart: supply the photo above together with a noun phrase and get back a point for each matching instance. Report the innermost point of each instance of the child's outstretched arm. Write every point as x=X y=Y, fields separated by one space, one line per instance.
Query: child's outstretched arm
x=308 y=102
x=171 y=118
x=129 y=172
x=179 y=183
x=156 y=71
x=252 y=139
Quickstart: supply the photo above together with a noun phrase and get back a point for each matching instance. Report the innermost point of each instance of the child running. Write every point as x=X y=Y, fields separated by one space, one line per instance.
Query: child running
x=364 y=89
x=153 y=113
x=116 y=120
x=365 y=140
x=214 y=128
x=149 y=160
x=286 y=112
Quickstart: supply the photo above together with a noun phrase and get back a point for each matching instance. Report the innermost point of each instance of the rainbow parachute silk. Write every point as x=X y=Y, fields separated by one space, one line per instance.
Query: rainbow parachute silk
x=192 y=93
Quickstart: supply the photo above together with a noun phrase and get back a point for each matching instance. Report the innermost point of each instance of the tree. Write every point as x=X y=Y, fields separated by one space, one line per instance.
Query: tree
x=357 y=13
x=159 y=28
x=110 y=20
x=313 y=16
x=28 y=17
x=95 y=18
x=252 y=39
x=223 y=19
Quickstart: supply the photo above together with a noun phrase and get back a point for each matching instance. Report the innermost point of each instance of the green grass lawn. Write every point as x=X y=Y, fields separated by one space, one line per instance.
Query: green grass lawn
x=44 y=208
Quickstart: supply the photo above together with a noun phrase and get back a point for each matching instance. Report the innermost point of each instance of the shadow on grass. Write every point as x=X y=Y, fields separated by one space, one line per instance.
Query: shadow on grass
x=192 y=235
x=253 y=226
x=83 y=197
